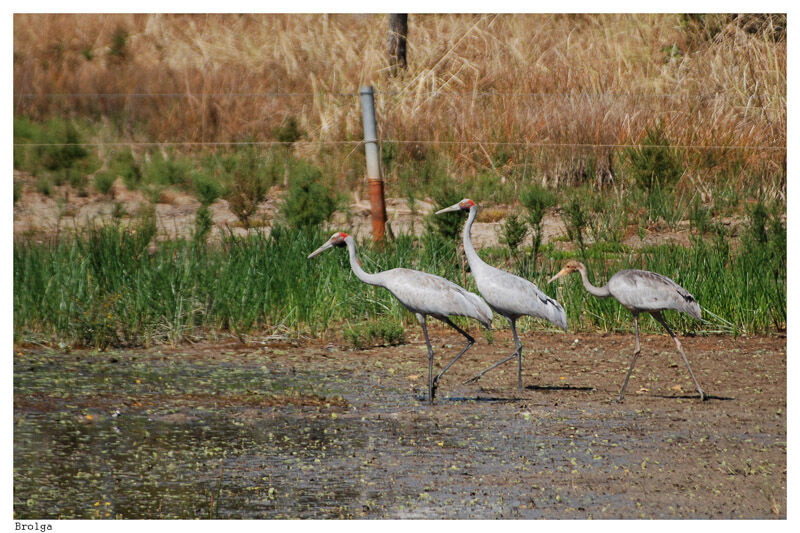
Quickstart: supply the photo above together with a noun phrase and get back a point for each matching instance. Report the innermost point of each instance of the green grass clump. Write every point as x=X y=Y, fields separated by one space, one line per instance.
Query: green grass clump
x=763 y=259
x=124 y=164
x=44 y=185
x=663 y=204
x=203 y=222
x=537 y=200
x=288 y=132
x=489 y=187
x=58 y=145
x=447 y=225
x=250 y=176
x=118 y=49
x=575 y=217
x=52 y=151
x=654 y=164
x=607 y=222
x=308 y=202
x=207 y=188
x=103 y=181
x=166 y=170
x=418 y=172
x=654 y=167
x=699 y=218
x=512 y=231
x=381 y=332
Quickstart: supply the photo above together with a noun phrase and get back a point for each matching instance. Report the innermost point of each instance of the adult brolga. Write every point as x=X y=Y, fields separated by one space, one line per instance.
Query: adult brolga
x=641 y=291
x=424 y=295
x=508 y=295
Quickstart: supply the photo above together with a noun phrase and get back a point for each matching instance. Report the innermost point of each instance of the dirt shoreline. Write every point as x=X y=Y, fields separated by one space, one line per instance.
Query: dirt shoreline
x=38 y=216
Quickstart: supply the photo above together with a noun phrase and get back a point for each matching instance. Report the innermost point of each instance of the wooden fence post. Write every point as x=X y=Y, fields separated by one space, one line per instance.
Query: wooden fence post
x=396 y=45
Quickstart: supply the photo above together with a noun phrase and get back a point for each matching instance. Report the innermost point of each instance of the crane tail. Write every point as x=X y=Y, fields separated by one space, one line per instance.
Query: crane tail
x=483 y=313
x=694 y=310
x=553 y=312
x=559 y=318
x=562 y=323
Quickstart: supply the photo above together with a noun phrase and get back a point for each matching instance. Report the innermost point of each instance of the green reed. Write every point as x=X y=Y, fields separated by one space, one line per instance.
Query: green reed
x=110 y=286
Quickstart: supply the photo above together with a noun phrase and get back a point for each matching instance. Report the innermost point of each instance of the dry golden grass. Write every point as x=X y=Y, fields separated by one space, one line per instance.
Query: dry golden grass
x=473 y=80
x=168 y=196
x=492 y=214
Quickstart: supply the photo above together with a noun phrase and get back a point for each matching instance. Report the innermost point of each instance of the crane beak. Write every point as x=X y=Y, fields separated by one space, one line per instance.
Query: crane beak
x=454 y=207
x=561 y=273
x=320 y=249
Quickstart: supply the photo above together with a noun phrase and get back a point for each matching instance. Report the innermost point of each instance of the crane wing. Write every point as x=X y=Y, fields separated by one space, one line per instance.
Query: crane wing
x=648 y=291
x=512 y=295
x=433 y=295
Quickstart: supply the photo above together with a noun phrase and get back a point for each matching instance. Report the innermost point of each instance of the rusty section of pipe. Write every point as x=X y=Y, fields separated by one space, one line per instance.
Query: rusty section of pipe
x=378 y=208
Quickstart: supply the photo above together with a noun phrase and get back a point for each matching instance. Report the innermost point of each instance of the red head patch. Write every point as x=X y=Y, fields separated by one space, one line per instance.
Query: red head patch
x=338 y=238
x=466 y=203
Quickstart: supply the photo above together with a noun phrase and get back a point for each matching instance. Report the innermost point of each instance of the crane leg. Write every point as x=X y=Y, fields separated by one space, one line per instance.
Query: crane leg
x=663 y=322
x=470 y=342
x=517 y=353
x=431 y=389
x=636 y=351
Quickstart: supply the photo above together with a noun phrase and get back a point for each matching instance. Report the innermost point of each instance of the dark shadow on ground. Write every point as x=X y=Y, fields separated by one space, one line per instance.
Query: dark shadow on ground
x=490 y=399
x=550 y=388
x=693 y=397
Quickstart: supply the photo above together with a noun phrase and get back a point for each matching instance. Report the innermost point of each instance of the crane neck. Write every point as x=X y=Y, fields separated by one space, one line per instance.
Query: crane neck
x=600 y=292
x=370 y=279
x=473 y=258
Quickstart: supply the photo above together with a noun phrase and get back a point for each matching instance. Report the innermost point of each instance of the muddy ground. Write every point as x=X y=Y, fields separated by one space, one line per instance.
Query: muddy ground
x=312 y=430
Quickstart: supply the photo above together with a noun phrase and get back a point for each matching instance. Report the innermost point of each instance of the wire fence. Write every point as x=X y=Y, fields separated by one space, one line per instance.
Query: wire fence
x=398 y=141
x=425 y=94
x=276 y=94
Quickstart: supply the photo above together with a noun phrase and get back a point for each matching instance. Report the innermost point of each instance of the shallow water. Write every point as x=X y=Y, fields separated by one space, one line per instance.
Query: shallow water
x=297 y=434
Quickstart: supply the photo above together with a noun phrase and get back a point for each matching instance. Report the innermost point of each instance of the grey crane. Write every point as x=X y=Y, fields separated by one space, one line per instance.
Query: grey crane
x=424 y=295
x=508 y=295
x=642 y=291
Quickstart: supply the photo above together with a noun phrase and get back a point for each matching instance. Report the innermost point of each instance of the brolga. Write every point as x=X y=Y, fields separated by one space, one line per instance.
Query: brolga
x=641 y=291
x=508 y=295
x=424 y=295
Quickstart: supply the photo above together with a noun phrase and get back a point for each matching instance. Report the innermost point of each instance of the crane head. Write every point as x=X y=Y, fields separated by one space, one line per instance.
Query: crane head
x=569 y=268
x=337 y=239
x=464 y=205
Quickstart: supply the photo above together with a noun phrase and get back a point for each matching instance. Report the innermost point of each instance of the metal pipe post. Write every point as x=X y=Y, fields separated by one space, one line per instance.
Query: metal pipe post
x=376 y=200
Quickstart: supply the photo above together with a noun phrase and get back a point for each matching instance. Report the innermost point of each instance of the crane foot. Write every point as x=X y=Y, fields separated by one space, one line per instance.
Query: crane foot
x=433 y=391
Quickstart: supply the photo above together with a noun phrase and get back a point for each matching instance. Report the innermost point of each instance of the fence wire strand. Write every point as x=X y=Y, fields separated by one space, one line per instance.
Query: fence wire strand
x=278 y=94
x=399 y=141
x=426 y=94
